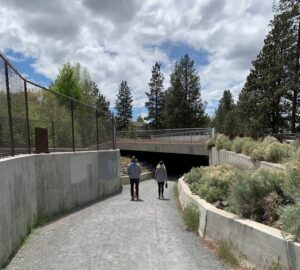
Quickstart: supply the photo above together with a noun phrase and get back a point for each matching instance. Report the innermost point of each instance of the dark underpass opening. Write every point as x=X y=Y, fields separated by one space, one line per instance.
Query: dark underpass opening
x=176 y=164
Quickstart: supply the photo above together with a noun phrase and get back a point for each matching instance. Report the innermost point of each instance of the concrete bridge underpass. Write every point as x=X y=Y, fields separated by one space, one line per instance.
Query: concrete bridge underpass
x=175 y=141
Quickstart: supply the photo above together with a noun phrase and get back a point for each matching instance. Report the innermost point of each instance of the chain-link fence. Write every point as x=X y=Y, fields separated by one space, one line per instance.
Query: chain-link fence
x=70 y=124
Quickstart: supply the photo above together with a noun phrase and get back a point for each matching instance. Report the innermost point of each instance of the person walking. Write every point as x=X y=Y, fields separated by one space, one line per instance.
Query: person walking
x=161 y=177
x=134 y=171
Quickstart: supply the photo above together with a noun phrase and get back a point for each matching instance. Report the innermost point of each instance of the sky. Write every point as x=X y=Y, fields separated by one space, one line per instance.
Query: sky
x=122 y=39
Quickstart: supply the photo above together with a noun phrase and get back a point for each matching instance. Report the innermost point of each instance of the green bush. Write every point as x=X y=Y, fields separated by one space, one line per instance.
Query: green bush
x=290 y=219
x=212 y=183
x=191 y=216
x=278 y=152
x=194 y=175
x=248 y=146
x=258 y=152
x=269 y=139
x=211 y=143
x=237 y=144
x=249 y=191
x=292 y=179
x=223 y=142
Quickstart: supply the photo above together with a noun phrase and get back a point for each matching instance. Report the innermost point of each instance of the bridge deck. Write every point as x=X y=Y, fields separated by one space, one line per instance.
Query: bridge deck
x=118 y=234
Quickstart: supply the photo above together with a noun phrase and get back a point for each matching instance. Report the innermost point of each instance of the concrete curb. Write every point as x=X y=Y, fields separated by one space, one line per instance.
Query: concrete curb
x=259 y=245
x=144 y=176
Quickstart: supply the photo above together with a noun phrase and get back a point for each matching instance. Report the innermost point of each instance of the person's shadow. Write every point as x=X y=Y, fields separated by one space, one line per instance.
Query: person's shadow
x=137 y=200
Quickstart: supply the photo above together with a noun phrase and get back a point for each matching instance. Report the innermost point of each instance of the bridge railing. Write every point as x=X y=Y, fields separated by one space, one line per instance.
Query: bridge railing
x=70 y=125
x=183 y=135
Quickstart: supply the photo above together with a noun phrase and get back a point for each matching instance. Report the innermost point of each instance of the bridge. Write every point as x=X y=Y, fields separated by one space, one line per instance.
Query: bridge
x=189 y=141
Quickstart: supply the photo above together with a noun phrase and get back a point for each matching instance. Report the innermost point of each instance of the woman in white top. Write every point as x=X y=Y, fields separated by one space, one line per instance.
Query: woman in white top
x=161 y=178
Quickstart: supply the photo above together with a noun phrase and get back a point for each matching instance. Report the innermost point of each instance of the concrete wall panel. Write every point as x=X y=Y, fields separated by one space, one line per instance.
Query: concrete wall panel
x=219 y=157
x=47 y=184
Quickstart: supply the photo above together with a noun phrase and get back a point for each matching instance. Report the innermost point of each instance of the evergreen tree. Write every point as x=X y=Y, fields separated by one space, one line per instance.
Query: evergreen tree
x=289 y=12
x=183 y=105
x=225 y=119
x=100 y=101
x=155 y=103
x=123 y=107
x=262 y=99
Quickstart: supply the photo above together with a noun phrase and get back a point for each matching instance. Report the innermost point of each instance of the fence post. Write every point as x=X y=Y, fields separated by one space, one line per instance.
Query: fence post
x=97 y=130
x=113 y=132
x=72 y=116
x=10 y=122
x=27 y=117
x=53 y=134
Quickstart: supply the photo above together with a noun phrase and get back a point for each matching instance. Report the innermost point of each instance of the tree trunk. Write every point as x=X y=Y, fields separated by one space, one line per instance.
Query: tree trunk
x=296 y=89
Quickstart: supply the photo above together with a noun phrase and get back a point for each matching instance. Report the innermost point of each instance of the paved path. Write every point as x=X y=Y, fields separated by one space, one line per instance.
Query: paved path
x=118 y=234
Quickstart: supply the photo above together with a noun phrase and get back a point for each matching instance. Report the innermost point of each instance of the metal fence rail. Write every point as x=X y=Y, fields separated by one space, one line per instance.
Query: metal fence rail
x=191 y=135
x=71 y=125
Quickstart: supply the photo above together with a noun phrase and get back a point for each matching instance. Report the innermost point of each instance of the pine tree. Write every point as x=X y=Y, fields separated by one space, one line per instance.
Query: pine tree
x=155 y=103
x=123 y=107
x=225 y=119
x=100 y=100
x=289 y=12
x=262 y=99
x=183 y=107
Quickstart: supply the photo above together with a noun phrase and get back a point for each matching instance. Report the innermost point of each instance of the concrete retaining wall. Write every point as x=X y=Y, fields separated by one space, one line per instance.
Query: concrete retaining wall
x=144 y=176
x=260 y=245
x=218 y=157
x=46 y=184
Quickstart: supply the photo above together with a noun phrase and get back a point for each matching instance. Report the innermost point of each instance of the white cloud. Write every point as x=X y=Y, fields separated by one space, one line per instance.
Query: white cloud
x=112 y=38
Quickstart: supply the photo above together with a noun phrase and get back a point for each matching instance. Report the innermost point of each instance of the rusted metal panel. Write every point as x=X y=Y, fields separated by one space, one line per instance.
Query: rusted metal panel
x=41 y=140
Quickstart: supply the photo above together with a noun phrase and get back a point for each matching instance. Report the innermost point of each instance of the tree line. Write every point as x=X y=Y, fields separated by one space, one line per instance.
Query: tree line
x=270 y=99
x=179 y=106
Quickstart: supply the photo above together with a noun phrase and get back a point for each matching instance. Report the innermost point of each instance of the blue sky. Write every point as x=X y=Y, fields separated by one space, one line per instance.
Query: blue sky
x=25 y=66
x=117 y=41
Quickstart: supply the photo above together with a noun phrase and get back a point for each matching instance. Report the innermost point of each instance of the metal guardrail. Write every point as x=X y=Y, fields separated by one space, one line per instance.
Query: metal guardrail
x=191 y=135
x=25 y=105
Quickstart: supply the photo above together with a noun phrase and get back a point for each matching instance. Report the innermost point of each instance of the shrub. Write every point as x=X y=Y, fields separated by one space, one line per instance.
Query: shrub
x=194 y=175
x=277 y=152
x=289 y=219
x=213 y=182
x=269 y=140
x=225 y=252
x=258 y=152
x=270 y=205
x=292 y=179
x=211 y=143
x=191 y=216
x=248 y=146
x=249 y=191
x=237 y=144
x=223 y=142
